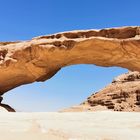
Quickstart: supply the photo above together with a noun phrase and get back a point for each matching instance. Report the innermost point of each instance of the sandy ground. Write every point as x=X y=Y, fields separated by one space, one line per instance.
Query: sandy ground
x=103 y=125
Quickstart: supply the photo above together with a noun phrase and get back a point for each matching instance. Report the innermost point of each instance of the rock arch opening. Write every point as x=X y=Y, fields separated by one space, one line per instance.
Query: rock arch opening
x=69 y=87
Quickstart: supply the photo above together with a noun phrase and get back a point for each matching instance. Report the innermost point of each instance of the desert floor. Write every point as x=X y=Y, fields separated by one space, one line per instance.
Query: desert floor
x=105 y=125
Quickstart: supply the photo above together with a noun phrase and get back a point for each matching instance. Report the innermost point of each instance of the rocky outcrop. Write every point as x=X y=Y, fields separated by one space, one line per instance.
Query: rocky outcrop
x=123 y=94
x=5 y=107
x=40 y=58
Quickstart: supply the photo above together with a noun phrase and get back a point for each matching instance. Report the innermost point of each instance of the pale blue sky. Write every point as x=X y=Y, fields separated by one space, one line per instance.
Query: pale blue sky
x=24 y=19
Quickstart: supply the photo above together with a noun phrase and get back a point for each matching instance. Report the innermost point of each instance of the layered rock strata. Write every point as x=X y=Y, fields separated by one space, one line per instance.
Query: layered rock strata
x=123 y=94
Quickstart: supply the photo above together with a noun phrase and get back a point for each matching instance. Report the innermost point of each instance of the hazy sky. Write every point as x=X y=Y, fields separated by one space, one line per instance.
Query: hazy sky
x=24 y=19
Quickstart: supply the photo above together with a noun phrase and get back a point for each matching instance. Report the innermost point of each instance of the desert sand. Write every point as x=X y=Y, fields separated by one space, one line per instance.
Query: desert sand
x=101 y=125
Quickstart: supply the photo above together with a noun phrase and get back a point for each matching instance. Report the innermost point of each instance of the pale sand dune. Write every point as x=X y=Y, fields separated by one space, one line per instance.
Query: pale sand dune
x=103 y=125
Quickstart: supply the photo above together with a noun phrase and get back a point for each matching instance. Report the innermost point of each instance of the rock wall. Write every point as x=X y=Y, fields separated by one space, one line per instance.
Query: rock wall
x=123 y=94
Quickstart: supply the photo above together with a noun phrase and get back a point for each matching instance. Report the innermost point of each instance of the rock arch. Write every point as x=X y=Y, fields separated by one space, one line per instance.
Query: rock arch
x=40 y=58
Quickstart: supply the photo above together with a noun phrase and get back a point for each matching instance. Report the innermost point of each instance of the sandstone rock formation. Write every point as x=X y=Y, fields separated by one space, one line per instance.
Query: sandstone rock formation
x=123 y=94
x=40 y=58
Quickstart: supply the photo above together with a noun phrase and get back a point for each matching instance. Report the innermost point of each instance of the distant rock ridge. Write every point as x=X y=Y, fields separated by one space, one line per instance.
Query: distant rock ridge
x=123 y=94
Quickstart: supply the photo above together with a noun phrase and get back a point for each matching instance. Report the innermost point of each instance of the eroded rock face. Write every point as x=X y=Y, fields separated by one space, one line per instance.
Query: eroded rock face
x=123 y=94
x=40 y=58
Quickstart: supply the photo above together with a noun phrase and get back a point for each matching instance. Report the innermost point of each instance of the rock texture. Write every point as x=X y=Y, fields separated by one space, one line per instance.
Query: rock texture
x=40 y=58
x=123 y=94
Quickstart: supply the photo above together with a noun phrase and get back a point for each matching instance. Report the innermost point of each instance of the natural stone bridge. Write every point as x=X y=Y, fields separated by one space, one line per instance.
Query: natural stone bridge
x=40 y=58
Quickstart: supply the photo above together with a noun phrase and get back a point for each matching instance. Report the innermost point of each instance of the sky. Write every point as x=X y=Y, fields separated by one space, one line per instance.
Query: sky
x=25 y=19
